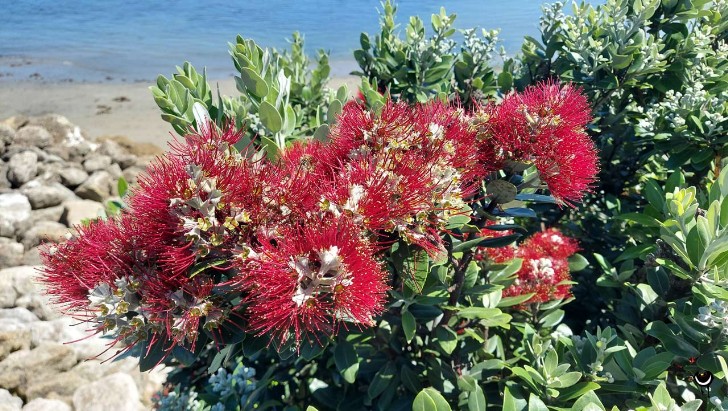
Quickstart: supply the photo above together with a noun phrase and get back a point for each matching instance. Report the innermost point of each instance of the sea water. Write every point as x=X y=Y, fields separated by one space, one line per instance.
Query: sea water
x=136 y=40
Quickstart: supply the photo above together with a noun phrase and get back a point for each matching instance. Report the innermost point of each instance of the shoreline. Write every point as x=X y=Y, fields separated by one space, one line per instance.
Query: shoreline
x=107 y=108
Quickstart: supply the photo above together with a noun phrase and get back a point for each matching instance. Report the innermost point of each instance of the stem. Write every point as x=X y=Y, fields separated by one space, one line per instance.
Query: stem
x=458 y=282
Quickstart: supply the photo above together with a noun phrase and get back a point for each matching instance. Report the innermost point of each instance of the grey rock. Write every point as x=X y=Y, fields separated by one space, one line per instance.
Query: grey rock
x=9 y=402
x=132 y=173
x=4 y=182
x=22 y=167
x=47 y=214
x=14 y=211
x=46 y=195
x=23 y=278
x=58 y=151
x=18 y=313
x=60 y=385
x=45 y=404
x=96 y=162
x=45 y=231
x=75 y=211
x=58 y=126
x=39 y=304
x=11 y=253
x=115 y=171
x=7 y=136
x=72 y=177
x=97 y=187
x=21 y=366
x=113 y=392
x=32 y=257
x=118 y=154
x=16 y=149
x=8 y=295
x=14 y=336
x=33 y=136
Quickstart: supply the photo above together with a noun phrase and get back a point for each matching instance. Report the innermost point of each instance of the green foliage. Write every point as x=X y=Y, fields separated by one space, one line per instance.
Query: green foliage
x=652 y=302
x=418 y=68
x=282 y=99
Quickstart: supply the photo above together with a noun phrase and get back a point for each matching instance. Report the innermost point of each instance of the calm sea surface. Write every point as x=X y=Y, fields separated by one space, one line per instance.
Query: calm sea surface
x=135 y=40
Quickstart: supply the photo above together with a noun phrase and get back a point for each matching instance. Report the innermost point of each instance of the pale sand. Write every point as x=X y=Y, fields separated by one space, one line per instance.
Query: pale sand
x=106 y=109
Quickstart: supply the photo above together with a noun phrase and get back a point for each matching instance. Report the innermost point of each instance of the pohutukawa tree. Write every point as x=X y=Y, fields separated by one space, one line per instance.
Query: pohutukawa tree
x=219 y=241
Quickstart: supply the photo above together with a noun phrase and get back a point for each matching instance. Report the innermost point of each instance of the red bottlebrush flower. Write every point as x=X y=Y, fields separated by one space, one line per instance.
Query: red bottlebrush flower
x=553 y=243
x=100 y=253
x=403 y=171
x=199 y=198
x=313 y=278
x=545 y=267
x=544 y=125
x=497 y=254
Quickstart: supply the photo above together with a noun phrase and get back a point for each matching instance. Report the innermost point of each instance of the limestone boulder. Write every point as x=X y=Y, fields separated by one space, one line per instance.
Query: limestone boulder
x=22 y=168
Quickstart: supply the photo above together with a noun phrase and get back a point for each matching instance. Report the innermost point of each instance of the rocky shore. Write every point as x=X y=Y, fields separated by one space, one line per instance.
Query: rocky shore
x=52 y=178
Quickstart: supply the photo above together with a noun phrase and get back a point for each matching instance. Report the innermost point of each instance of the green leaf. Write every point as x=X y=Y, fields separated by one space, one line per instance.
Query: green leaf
x=430 y=399
x=476 y=313
x=153 y=352
x=486 y=242
x=696 y=245
x=414 y=266
x=122 y=186
x=253 y=83
x=654 y=194
x=204 y=265
x=270 y=117
x=641 y=219
x=553 y=318
x=567 y=380
x=515 y=300
x=311 y=408
x=467 y=383
x=511 y=403
x=322 y=133
x=183 y=355
x=586 y=400
x=410 y=379
x=535 y=404
x=382 y=380
x=447 y=339
x=346 y=361
x=476 y=400
x=659 y=281
x=673 y=343
x=409 y=325
x=577 y=390
x=577 y=262
x=334 y=110
x=313 y=348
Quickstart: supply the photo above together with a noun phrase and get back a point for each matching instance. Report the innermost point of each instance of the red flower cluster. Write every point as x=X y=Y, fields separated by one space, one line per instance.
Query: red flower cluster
x=543 y=126
x=545 y=268
x=291 y=248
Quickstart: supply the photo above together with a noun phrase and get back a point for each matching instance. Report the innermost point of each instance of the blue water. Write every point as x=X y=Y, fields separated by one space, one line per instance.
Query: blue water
x=135 y=40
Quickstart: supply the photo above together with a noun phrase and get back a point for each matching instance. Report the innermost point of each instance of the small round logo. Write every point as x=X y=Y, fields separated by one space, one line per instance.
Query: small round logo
x=703 y=378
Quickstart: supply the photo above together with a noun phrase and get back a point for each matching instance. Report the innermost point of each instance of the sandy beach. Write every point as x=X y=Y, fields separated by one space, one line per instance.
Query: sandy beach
x=105 y=109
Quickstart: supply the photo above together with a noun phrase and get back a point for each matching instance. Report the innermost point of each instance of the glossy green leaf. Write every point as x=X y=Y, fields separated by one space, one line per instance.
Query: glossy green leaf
x=270 y=117
x=446 y=339
x=382 y=379
x=430 y=399
x=254 y=84
x=476 y=400
x=346 y=360
x=409 y=325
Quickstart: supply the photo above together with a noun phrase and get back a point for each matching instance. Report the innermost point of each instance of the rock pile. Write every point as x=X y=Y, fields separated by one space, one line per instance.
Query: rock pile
x=52 y=179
